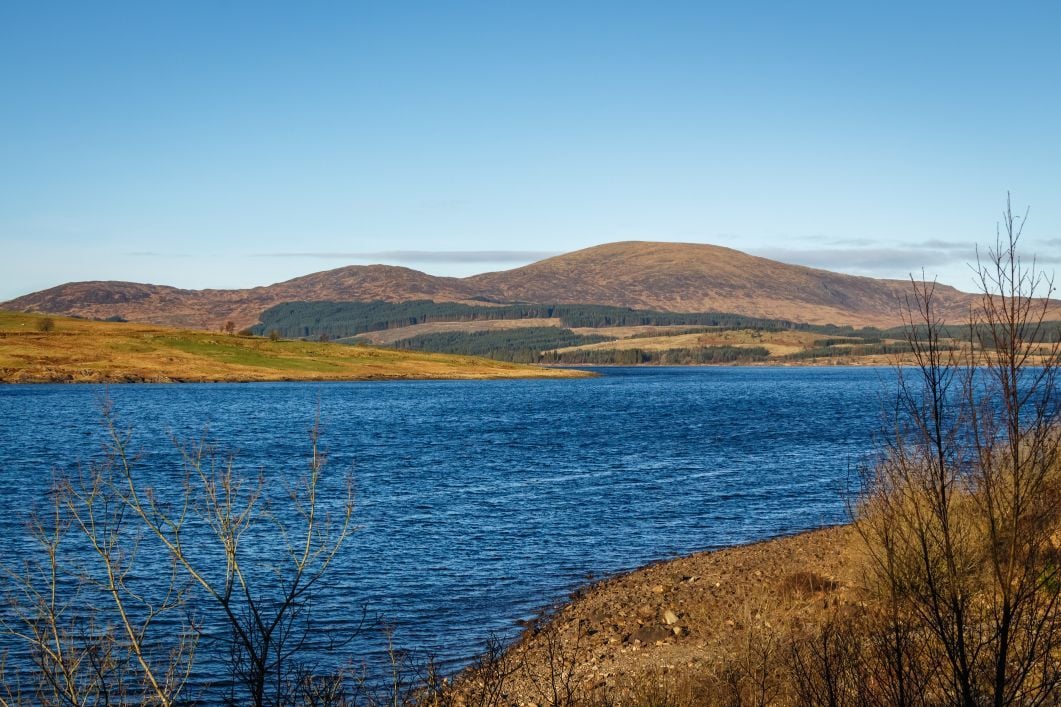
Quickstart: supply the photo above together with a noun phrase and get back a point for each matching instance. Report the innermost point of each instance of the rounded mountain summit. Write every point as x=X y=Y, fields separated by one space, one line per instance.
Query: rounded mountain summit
x=674 y=277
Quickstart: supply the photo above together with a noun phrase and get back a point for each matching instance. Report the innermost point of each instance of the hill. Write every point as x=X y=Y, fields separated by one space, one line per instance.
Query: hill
x=686 y=277
x=76 y=350
x=211 y=309
x=675 y=277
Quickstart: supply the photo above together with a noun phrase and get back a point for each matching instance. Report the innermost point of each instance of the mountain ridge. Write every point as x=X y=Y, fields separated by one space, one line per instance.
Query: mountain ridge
x=676 y=277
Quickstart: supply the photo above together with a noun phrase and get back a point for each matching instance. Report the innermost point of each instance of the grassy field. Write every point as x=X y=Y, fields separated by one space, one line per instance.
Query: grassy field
x=788 y=348
x=778 y=343
x=77 y=350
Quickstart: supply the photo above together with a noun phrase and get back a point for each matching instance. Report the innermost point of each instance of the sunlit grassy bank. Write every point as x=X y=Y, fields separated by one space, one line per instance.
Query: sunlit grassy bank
x=38 y=348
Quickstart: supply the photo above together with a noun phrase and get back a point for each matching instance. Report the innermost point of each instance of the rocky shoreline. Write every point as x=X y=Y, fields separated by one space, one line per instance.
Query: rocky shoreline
x=677 y=621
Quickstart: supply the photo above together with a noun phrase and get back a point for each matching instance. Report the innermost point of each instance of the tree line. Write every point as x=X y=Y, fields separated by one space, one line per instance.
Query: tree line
x=666 y=357
x=339 y=320
x=522 y=345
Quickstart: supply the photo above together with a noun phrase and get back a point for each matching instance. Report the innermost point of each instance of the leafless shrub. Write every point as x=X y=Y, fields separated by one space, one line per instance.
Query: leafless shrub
x=658 y=689
x=484 y=682
x=753 y=674
x=807 y=583
x=83 y=616
x=560 y=643
x=90 y=614
x=826 y=667
x=960 y=516
x=847 y=660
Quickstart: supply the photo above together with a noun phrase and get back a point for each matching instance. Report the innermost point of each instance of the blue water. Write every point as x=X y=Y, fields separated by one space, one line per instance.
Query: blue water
x=478 y=503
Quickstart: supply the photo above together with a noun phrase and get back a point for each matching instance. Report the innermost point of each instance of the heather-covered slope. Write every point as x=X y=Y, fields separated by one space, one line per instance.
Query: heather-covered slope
x=686 y=277
x=210 y=309
x=677 y=277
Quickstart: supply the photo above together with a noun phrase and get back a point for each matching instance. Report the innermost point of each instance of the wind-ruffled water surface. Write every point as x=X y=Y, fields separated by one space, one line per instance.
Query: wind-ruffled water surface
x=480 y=502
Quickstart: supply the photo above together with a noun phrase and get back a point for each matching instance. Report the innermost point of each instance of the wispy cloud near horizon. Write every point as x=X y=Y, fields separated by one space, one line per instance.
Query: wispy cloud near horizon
x=887 y=259
x=424 y=256
x=873 y=256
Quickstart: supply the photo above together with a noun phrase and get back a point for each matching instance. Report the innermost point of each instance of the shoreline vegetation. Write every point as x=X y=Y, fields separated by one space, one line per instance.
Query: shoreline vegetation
x=38 y=348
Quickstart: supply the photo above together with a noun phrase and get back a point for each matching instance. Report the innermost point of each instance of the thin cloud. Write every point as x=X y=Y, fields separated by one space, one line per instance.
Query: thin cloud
x=1050 y=259
x=868 y=259
x=425 y=256
x=946 y=245
x=823 y=242
x=851 y=242
x=1031 y=250
x=910 y=257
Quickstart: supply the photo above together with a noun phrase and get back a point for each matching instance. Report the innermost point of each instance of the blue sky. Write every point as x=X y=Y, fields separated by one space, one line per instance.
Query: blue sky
x=231 y=144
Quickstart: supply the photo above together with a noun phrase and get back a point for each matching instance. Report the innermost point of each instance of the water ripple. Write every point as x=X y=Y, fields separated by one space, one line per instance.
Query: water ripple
x=480 y=502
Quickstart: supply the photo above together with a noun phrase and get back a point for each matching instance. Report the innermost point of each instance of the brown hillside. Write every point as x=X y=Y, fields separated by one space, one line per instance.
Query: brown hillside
x=210 y=309
x=677 y=277
x=686 y=277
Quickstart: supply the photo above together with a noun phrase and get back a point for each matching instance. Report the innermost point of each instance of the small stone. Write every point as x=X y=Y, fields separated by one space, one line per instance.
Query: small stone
x=658 y=589
x=651 y=634
x=677 y=630
x=670 y=617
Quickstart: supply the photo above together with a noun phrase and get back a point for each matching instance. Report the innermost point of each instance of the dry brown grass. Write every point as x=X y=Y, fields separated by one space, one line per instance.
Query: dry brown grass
x=778 y=343
x=641 y=330
x=88 y=351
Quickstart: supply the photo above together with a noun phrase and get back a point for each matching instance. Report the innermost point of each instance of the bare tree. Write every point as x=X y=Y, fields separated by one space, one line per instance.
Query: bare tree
x=89 y=610
x=960 y=514
x=82 y=611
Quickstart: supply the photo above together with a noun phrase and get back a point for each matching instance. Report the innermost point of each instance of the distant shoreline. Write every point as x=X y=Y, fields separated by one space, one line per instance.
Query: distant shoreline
x=732 y=364
x=117 y=380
